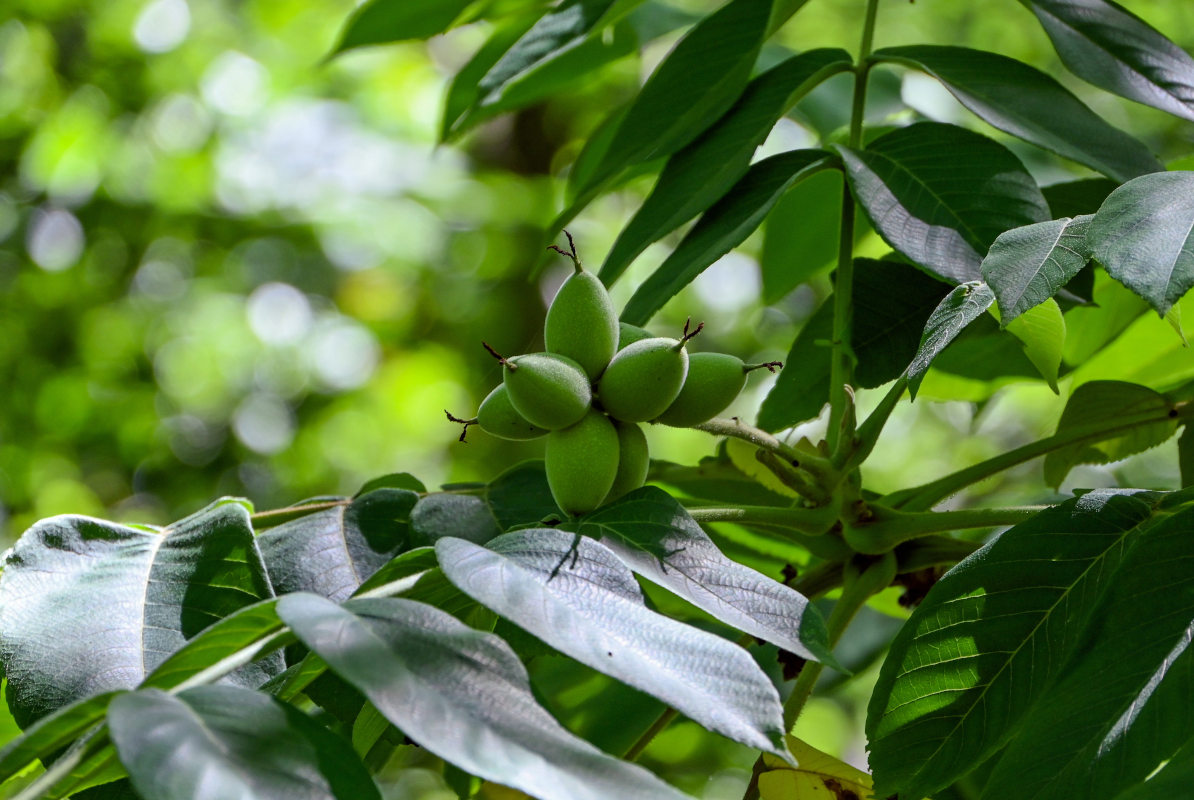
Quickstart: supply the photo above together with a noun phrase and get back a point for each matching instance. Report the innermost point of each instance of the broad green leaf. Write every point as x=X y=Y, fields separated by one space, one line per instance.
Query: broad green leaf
x=718 y=478
x=800 y=235
x=463 y=92
x=696 y=176
x=224 y=742
x=1075 y=198
x=157 y=589
x=332 y=552
x=1029 y=104
x=395 y=480
x=979 y=651
x=1041 y=329
x=819 y=775
x=723 y=227
x=1091 y=328
x=694 y=85
x=464 y=516
x=940 y=195
x=1174 y=779
x=1123 y=704
x=576 y=595
x=1185 y=455
x=1027 y=266
x=1143 y=237
x=240 y=636
x=1091 y=406
x=461 y=694
x=53 y=732
x=401 y=570
x=962 y=306
x=892 y=303
x=656 y=538
x=385 y=21
x=521 y=496
x=1104 y=43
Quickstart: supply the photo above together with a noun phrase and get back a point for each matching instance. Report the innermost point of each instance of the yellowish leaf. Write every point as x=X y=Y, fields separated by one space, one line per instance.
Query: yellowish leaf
x=819 y=776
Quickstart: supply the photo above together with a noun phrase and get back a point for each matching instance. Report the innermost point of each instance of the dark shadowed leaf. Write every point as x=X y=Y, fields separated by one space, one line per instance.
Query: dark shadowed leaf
x=1143 y=235
x=1175 y=778
x=223 y=742
x=1092 y=406
x=696 y=176
x=464 y=516
x=577 y=596
x=332 y=552
x=1029 y=104
x=1185 y=455
x=1123 y=704
x=723 y=227
x=521 y=496
x=53 y=732
x=990 y=635
x=940 y=195
x=463 y=695
x=892 y=303
x=962 y=306
x=463 y=91
x=1026 y=266
x=1104 y=43
x=156 y=588
x=657 y=538
x=1075 y=198
x=693 y=86
x=385 y=21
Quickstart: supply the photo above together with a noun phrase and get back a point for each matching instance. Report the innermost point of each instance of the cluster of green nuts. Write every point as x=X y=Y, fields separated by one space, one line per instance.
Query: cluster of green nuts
x=598 y=380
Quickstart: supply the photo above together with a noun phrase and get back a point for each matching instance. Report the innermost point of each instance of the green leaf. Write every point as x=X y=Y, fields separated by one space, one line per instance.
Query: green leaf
x=1185 y=456
x=694 y=85
x=521 y=496
x=240 y=636
x=892 y=303
x=461 y=694
x=984 y=644
x=1027 y=266
x=53 y=732
x=1027 y=103
x=574 y=594
x=1123 y=704
x=1041 y=329
x=696 y=176
x=157 y=588
x=656 y=538
x=402 y=568
x=222 y=742
x=386 y=21
x=395 y=480
x=463 y=92
x=1095 y=403
x=1143 y=237
x=1173 y=779
x=962 y=306
x=800 y=235
x=723 y=227
x=1104 y=43
x=1075 y=198
x=331 y=552
x=940 y=195
x=445 y=514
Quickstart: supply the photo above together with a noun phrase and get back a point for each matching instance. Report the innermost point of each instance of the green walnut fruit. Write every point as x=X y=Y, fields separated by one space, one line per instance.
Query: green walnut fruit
x=713 y=381
x=643 y=379
x=582 y=462
x=549 y=391
x=629 y=334
x=633 y=460
x=497 y=417
x=581 y=323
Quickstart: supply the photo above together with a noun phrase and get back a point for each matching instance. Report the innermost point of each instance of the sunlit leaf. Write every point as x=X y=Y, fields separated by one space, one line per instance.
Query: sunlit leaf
x=1041 y=329
x=818 y=776
x=53 y=732
x=385 y=21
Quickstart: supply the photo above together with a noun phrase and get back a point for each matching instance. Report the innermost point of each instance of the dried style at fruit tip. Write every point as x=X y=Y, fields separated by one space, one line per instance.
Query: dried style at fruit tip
x=597 y=381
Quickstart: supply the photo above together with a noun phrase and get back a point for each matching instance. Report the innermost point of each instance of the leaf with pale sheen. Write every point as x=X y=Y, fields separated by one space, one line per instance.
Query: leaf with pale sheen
x=1030 y=105
x=1095 y=404
x=1143 y=235
x=962 y=306
x=227 y=743
x=461 y=694
x=696 y=176
x=657 y=538
x=1104 y=43
x=331 y=552
x=157 y=589
x=940 y=195
x=694 y=85
x=984 y=644
x=1123 y=705
x=723 y=227
x=576 y=595
x=386 y=21
x=1027 y=266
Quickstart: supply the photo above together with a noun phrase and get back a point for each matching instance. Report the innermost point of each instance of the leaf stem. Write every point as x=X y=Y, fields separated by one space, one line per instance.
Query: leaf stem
x=888 y=528
x=650 y=733
x=920 y=498
x=719 y=426
x=277 y=516
x=810 y=521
